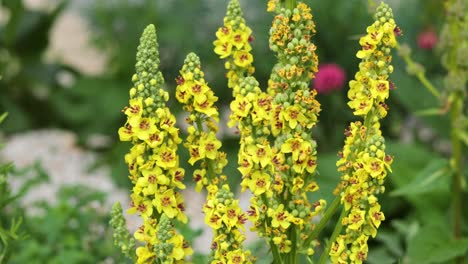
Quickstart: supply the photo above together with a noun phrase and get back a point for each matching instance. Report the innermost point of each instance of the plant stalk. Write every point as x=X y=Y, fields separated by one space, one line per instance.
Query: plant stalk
x=420 y=75
x=456 y=162
x=323 y=222
x=335 y=233
x=290 y=4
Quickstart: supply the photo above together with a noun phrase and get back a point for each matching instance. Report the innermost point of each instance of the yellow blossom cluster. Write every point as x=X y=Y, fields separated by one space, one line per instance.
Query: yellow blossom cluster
x=198 y=100
x=152 y=161
x=280 y=173
x=222 y=211
x=224 y=215
x=233 y=44
x=363 y=161
x=290 y=35
x=294 y=113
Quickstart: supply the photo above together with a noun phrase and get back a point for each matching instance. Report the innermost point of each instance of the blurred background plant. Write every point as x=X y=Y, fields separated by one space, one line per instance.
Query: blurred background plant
x=42 y=88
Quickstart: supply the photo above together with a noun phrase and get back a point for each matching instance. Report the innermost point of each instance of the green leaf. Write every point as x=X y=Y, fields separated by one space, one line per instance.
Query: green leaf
x=410 y=160
x=435 y=177
x=433 y=244
x=430 y=112
x=463 y=136
x=417 y=99
x=392 y=242
x=380 y=255
x=3 y=116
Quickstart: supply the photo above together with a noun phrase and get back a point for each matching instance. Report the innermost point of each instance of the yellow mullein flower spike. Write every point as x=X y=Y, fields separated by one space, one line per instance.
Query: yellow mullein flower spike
x=153 y=161
x=233 y=44
x=222 y=212
x=363 y=162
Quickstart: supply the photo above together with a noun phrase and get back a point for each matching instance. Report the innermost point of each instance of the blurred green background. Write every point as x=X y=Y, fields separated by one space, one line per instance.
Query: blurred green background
x=66 y=65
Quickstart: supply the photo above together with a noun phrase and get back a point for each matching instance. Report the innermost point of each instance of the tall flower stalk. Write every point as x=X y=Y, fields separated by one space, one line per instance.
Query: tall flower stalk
x=222 y=211
x=277 y=157
x=454 y=43
x=363 y=161
x=153 y=162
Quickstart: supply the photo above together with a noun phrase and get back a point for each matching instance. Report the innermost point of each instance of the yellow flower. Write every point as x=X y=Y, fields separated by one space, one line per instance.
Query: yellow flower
x=181 y=216
x=375 y=215
x=182 y=95
x=260 y=183
x=195 y=154
x=361 y=104
x=279 y=217
x=223 y=48
x=356 y=218
x=177 y=177
x=166 y=202
x=296 y=146
x=126 y=133
x=142 y=205
x=213 y=219
x=374 y=166
x=196 y=88
x=155 y=139
x=311 y=165
x=240 y=38
x=149 y=180
x=284 y=244
x=224 y=33
x=271 y=6
x=166 y=157
x=243 y=58
x=245 y=166
x=336 y=248
x=240 y=106
x=368 y=47
x=135 y=109
x=200 y=179
x=235 y=257
x=260 y=153
x=143 y=127
x=205 y=104
x=231 y=216
x=380 y=90
x=209 y=146
x=144 y=255
x=177 y=242
x=293 y=115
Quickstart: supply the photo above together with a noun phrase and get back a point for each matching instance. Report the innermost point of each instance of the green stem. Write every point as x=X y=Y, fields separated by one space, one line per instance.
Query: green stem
x=335 y=233
x=420 y=75
x=276 y=254
x=323 y=222
x=293 y=254
x=456 y=94
x=455 y=113
x=290 y=4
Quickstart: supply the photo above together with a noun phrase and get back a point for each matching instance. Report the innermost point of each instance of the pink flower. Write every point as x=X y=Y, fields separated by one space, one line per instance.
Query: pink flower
x=329 y=77
x=427 y=39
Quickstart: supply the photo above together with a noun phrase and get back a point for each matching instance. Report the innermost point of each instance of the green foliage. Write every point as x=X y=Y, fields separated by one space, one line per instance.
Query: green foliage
x=434 y=244
x=72 y=231
x=10 y=232
x=27 y=78
x=433 y=178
